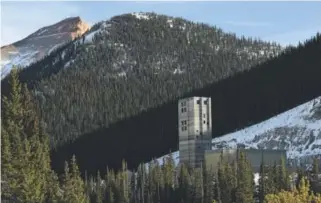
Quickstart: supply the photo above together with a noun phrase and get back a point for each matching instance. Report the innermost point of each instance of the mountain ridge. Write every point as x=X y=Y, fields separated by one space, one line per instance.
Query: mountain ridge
x=40 y=43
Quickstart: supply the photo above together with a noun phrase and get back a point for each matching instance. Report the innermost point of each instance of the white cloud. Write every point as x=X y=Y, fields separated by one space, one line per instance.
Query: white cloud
x=248 y=23
x=18 y=20
x=293 y=37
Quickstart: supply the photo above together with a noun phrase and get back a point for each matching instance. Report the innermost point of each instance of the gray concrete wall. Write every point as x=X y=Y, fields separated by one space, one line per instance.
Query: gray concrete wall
x=212 y=157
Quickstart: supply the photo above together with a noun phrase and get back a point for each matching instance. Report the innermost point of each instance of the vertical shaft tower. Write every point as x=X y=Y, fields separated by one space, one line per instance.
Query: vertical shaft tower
x=195 y=129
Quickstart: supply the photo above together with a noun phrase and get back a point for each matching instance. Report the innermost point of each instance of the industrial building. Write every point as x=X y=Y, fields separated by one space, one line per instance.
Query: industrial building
x=195 y=138
x=255 y=157
x=195 y=129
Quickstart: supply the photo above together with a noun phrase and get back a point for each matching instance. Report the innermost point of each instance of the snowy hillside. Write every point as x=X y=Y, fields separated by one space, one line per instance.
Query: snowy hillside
x=297 y=130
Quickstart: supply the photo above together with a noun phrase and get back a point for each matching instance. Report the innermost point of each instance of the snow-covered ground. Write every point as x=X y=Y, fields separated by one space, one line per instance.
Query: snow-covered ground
x=297 y=130
x=20 y=59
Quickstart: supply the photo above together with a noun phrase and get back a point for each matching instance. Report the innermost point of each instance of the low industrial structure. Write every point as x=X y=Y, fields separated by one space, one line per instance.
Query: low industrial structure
x=254 y=156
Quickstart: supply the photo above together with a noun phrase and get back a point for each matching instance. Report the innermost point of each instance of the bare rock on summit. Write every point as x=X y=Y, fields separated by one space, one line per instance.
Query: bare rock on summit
x=40 y=43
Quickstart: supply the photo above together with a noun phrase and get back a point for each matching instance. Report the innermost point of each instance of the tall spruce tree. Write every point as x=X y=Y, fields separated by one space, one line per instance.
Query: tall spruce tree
x=73 y=186
x=283 y=175
x=26 y=157
x=245 y=186
x=262 y=181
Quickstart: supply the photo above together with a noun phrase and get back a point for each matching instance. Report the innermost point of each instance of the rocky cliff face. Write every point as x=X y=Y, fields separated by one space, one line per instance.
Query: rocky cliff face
x=40 y=43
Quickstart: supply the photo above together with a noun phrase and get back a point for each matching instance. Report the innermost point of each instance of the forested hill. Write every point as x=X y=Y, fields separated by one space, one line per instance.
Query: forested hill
x=246 y=98
x=129 y=64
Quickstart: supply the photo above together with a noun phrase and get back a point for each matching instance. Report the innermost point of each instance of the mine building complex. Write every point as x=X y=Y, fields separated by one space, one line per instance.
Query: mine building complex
x=195 y=138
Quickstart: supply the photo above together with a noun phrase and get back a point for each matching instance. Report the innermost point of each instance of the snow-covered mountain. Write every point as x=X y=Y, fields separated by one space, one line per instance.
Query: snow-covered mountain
x=40 y=43
x=297 y=130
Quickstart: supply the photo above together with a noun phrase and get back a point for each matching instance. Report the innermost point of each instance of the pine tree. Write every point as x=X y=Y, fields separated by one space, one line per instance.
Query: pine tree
x=283 y=176
x=53 y=189
x=11 y=146
x=184 y=185
x=198 y=186
x=141 y=183
x=73 y=185
x=25 y=146
x=314 y=176
x=315 y=166
x=299 y=176
x=217 y=191
x=245 y=189
x=99 y=189
x=6 y=166
x=262 y=181
x=110 y=183
x=168 y=171
x=208 y=181
x=124 y=183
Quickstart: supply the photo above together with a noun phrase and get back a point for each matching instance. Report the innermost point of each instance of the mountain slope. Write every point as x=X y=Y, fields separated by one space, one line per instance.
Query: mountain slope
x=103 y=77
x=40 y=43
x=297 y=130
x=244 y=99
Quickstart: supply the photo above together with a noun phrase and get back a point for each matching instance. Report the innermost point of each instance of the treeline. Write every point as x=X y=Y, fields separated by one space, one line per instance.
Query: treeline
x=229 y=183
x=26 y=176
x=246 y=98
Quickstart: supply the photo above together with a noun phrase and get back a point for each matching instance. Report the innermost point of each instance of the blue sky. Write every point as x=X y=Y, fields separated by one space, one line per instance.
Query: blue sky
x=283 y=22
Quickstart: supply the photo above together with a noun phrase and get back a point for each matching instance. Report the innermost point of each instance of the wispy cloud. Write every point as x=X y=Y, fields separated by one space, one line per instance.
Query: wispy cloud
x=248 y=23
x=35 y=15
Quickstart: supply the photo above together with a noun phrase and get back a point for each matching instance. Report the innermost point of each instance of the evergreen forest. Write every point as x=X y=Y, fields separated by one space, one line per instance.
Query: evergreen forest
x=28 y=178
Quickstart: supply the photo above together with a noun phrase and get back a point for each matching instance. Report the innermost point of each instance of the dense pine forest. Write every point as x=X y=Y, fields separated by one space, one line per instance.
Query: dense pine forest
x=27 y=176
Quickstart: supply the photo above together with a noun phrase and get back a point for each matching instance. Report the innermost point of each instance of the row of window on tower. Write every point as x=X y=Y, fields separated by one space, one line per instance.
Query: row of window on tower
x=183 y=104
x=184 y=124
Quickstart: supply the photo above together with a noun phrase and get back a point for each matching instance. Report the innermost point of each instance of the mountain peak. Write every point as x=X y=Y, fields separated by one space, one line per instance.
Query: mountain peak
x=40 y=43
x=73 y=25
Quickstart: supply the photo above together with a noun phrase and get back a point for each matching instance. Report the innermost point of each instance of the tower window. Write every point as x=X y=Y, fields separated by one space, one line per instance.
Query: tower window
x=198 y=101
x=204 y=122
x=184 y=128
x=205 y=102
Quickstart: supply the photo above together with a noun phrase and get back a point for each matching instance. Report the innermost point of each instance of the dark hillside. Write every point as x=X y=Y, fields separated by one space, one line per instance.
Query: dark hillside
x=247 y=98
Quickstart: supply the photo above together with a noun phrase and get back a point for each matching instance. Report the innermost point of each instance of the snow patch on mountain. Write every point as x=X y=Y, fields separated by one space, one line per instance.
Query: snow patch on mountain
x=20 y=59
x=140 y=15
x=295 y=130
